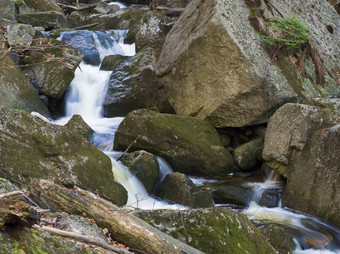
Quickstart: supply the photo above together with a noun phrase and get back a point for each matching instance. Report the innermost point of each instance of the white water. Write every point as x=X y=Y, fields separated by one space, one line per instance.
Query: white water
x=85 y=97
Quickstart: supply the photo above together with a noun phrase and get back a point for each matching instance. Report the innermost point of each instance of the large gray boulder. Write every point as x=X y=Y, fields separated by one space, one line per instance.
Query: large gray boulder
x=303 y=144
x=20 y=35
x=213 y=230
x=32 y=148
x=215 y=67
x=51 y=66
x=7 y=10
x=246 y=154
x=47 y=19
x=190 y=145
x=16 y=91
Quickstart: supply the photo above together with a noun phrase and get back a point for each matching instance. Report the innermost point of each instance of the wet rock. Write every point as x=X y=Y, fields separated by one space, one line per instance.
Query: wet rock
x=278 y=237
x=112 y=62
x=51 y=66
x=32 y=148
x=232 y=194
x=134 y=85
x=48 y=19
x=245 y=154
x=270 y=198
x=190 y=145
x=145 y=166
x=230 y=86
x=179 y=189
x=302 y=143
x=16 y=92
x=213 y=230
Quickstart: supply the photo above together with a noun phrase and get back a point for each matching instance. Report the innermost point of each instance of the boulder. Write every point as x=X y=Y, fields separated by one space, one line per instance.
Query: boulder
x=232 y=194
x=77 y=124
x=279 y=238
x=41 y=5
x=145 y=166
x=270 y=197
x=16 y=91
x=302 y=143
x=47 y=19
x=215 y=67
x=190 y=145
x=32 y=148
x=245 y=155
x=50 y=65
x=320 y=68
x=20 y=35
x=134 y=85
x=213 y=230
x=112 y=62
x=170 y=3
x=179 y=189
x=7 y=10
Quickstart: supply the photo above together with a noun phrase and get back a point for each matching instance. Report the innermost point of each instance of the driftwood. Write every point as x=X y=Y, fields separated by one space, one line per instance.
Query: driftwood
x=170 y=12
x=16 y=209
x=84 y=238
x=123 y=227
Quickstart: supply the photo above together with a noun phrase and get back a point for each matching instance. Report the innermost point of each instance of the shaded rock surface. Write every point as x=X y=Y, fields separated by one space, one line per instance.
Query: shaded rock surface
x=145 y=166
x=51 y=66
x=7 y=10
x=20 y=35
x=214 y=230
x=190 y=145
x=170 y=3
x=16 y=91
x=134 y=85
x=47 y=19
x=31 y=148
x=232 y=194
x=302 y=143
x=178 y=188
x=215 y=68
x=245 y=155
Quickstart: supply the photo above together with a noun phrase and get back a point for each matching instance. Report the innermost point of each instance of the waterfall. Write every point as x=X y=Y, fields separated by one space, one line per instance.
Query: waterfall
x=85 y=97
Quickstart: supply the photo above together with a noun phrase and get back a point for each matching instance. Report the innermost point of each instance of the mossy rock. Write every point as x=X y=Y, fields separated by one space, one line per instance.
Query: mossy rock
x=6 y=186
x=16 y=91
x=76 y=123
x=145 y=166
x=32 y=148
x=34 y=242
x=43 y=5
x=190 y=145
x=232 y=194
x=212 y=230
x=179 y=189
x=245 y=154
x=48 y=19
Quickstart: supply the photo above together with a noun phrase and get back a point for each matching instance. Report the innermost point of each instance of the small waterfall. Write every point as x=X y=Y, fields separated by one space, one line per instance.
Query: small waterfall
x=164 y=168
x=309 y=234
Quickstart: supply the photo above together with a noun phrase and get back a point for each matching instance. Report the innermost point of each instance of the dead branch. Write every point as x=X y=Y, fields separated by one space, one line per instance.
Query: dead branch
x=170 y=12
x=85 y=26
x=84 y=238
x=128 y=148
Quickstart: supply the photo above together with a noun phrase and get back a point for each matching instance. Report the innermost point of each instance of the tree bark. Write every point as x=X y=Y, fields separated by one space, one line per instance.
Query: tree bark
x=123 y=227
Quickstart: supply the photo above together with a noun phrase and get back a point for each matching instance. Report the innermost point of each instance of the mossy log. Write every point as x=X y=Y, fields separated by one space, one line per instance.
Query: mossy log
x=123 y=227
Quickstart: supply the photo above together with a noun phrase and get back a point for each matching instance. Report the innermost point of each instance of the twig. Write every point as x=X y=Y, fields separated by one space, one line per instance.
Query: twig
x=128 y=148
x=84 y=238
x=13 y=193
x=85 y=26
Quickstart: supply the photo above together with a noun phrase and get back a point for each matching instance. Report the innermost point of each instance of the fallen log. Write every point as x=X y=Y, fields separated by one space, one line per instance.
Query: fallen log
x=16 y=209
x=123 y=227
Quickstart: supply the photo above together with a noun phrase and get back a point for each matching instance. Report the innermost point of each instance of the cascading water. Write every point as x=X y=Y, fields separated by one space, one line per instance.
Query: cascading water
x=85 y=97
x=310 y=234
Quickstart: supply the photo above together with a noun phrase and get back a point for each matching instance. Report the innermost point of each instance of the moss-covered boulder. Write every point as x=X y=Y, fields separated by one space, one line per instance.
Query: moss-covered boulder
x=27 y=241
x=77 y=124
x=32 y=148
x=302 y=143
x=40 y=5
x=20 y=35
x=214 y=230
x=47 y=19
x=245 y=155
x=7 y=10
x=134 y=85
x=178 y=188
x=51 y=65
x=16 y=91
x=190 y=145
x=6 y=186
x=279 y=238
x=145 y=166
